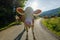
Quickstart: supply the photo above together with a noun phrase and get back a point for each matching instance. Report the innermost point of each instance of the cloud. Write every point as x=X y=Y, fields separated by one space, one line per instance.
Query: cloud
x=45 y=4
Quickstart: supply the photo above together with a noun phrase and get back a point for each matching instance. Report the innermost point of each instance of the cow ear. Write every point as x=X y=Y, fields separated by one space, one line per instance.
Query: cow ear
x=37 y=11
x=20 y=10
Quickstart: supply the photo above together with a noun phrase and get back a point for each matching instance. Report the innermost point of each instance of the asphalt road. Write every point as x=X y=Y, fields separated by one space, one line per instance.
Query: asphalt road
x=17 y=32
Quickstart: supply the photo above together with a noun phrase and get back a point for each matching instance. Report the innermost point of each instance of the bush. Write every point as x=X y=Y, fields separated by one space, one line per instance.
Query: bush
x=52 y=24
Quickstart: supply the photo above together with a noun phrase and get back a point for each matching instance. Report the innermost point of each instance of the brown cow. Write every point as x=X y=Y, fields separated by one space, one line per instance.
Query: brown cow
x=28 y=18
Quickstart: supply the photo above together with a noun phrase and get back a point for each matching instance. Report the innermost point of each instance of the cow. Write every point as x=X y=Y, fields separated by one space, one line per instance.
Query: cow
x=28 y=18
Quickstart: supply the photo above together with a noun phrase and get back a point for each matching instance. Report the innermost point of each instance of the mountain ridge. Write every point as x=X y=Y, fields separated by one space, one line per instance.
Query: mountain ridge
x=53 y=12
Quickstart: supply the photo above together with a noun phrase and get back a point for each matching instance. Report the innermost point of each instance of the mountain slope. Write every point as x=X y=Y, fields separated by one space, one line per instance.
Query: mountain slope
x=53 y=12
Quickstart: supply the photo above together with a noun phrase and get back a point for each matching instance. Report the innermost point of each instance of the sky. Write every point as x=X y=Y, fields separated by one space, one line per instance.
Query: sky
x=44 y=5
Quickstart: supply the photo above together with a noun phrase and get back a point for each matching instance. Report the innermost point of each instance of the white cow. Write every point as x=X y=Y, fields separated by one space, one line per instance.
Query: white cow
x=28 y=17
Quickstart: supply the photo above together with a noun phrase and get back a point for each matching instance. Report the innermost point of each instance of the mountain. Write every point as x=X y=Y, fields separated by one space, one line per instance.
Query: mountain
x=49 y=13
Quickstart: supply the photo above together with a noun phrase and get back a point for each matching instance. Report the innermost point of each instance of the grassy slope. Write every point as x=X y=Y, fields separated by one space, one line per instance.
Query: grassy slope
x=13 y=23
x=52 y=24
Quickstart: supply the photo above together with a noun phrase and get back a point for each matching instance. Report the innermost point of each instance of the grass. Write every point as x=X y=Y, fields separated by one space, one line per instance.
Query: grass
x=52 y=24
x=10 y=25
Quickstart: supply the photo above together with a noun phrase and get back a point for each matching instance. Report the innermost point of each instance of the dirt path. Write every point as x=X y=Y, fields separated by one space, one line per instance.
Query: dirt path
x=17 y=32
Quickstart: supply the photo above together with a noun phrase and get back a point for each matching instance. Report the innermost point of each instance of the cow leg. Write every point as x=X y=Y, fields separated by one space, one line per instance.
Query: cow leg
x=32 y=26
x=33 y=30
x=26 y=28
x=27 y=34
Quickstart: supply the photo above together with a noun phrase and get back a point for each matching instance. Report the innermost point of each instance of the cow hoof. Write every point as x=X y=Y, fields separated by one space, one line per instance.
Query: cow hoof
x=26 y=38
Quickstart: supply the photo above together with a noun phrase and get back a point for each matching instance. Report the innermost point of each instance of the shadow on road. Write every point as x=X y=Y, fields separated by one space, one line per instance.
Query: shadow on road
x=20 y=35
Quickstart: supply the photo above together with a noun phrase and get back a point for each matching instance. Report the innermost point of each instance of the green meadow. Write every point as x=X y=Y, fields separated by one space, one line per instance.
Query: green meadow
x=53 y=24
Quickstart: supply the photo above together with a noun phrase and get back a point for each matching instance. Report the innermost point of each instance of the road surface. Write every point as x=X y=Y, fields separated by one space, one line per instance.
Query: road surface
x=17 y=32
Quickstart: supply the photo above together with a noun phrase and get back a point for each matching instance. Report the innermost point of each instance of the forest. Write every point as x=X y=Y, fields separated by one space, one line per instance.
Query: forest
x=8 y=11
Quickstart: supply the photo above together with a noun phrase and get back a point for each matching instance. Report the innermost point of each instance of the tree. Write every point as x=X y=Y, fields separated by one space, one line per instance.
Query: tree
x=58 y=12
x=6 y=10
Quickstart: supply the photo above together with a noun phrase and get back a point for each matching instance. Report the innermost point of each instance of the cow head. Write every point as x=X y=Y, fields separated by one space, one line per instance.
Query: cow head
x=21 y=11
x=28 y=9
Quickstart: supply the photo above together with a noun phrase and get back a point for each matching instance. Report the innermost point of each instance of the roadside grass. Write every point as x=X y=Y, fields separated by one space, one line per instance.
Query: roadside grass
x=52 y=24
x=10 y=25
